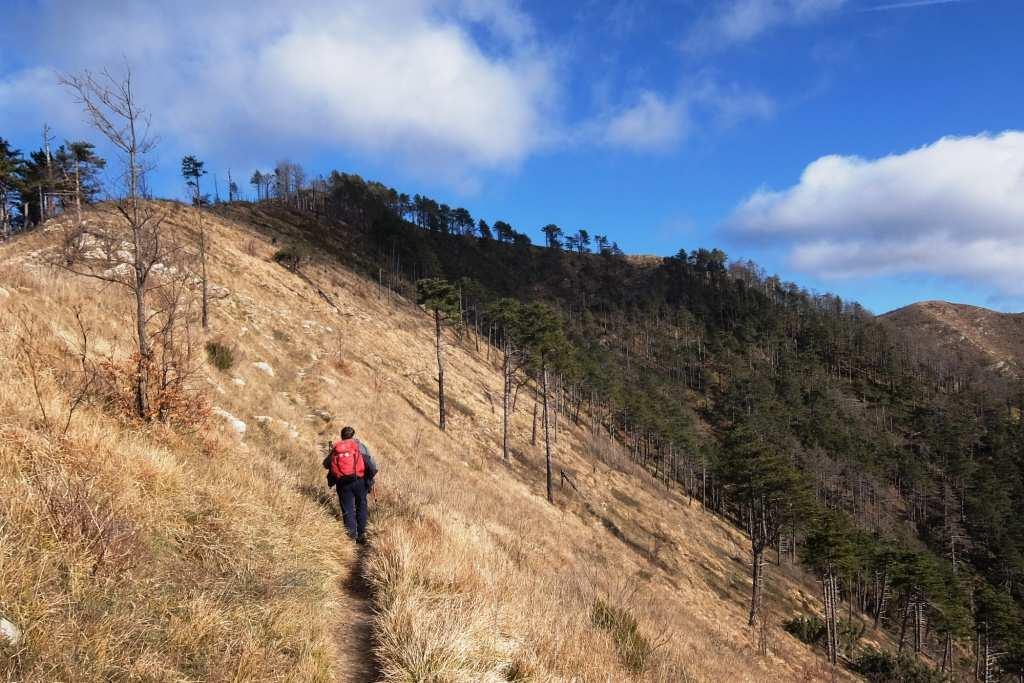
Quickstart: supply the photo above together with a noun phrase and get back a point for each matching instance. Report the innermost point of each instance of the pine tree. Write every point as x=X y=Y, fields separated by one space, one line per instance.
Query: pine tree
x=192 y=170
x=80 y=168
x=508 y=315
x=544 y=336
x=442 y=299
x=12 y=176
x=830 y=551
x=759 y=477
x=552 y=236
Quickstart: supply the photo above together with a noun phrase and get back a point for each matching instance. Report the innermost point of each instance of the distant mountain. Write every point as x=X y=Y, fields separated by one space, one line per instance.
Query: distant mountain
x=972 y=335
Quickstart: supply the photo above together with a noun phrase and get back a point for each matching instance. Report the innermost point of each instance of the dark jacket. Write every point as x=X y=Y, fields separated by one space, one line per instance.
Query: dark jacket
x=368 y=463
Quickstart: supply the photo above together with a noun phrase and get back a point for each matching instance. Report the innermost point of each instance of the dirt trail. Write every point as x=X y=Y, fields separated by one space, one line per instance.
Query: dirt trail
x=354 y=633
x=353 y=636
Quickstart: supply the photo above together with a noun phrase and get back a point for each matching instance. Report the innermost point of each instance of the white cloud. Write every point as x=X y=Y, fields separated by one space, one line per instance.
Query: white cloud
x=651 y=123
x=738 y=21
x=954 y=208
x=453 y=86
x=657 y=123
x=911 y=4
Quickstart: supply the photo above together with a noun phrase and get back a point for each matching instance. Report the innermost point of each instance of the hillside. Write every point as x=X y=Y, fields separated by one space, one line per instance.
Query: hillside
x=970 y=336
x=212 y=551
x=895 y=470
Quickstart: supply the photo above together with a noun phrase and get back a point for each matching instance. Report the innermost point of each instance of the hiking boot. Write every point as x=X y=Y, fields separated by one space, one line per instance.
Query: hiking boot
x=361 y=540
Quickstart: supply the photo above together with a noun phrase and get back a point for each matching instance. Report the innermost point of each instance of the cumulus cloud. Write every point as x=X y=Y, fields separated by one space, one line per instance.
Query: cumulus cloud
x=456 y=85
x=656 y=122
x=954 y=208
x=738 y=21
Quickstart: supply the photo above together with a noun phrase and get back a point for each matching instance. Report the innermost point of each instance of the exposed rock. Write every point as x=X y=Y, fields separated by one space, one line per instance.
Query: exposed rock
x=238 y=381
x=120 y=270
x=293 y=433
x=264 y=367
x=9 y=632
x=235 y=423
x=4 y=293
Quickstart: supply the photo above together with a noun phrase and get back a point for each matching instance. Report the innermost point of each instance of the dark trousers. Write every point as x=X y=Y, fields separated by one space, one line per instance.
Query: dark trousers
x=352 y=496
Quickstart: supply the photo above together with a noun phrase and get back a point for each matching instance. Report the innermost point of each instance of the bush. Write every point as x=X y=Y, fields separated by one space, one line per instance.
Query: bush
x=289 y=257
x=634 y=649
x=884 y=667
x=221 y=355
x=810 y=630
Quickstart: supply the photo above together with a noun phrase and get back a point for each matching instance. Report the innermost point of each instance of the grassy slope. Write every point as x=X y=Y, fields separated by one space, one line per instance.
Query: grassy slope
x=974 y=337
x=229 y=564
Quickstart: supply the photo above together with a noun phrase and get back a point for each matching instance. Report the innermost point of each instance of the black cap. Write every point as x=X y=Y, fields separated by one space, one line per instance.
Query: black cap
x=347 y=432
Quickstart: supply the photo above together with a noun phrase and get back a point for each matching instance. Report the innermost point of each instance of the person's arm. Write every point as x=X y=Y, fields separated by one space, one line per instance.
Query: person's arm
x=369 y=464
x=331 y=481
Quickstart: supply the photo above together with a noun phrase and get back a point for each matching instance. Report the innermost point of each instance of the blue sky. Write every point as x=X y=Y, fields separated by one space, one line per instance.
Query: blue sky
x=867 y=147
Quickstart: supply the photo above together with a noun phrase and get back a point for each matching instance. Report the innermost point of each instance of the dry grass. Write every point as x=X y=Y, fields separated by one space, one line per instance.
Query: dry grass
x=217 y=556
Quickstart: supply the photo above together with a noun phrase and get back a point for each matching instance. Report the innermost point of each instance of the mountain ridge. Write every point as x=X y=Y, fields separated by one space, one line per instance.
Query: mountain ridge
x=975 y=334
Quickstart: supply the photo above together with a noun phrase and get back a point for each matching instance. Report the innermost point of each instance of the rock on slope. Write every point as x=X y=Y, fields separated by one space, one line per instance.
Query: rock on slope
x=474 y=576
x=970 y=335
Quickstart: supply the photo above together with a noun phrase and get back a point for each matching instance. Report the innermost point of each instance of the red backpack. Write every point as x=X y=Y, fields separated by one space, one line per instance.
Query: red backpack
x=347 y=460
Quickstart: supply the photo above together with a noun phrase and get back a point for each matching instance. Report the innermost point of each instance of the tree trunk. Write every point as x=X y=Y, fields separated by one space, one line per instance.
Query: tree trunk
x=533 y=429
x=142 y=369
x=903 y=627
x=5 y=231
x=703 y=481
x=833 y=624
x=882 y=603
x=202 y=258
x=547 y=435
x=506 y=390
x=440 y=367
x=78 y=192
x=830 y=622
x=918 y=626
x=756 y=571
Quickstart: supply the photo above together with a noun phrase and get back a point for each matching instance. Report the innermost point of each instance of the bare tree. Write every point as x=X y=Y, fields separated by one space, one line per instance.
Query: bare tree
x=126 y=252
x=46 y=188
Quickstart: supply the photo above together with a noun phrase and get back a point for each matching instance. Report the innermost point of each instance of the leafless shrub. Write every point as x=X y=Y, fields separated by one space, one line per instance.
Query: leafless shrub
x=71 y=369
x=80 y=513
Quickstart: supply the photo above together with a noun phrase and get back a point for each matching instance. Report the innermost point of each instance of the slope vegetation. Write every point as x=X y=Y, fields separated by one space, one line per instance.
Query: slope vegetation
x=969 y=336
x=214 y=552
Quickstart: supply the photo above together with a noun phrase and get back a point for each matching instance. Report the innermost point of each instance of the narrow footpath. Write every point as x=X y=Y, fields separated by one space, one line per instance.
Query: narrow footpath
x=353 y=636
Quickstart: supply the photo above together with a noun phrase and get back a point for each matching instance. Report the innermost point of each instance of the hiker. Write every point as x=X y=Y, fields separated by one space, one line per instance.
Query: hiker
x=351 y=469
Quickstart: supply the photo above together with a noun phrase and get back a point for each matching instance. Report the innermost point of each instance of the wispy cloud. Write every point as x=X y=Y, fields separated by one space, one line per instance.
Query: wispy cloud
x=740 y=21
x=910 y=4
x=656 y=122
